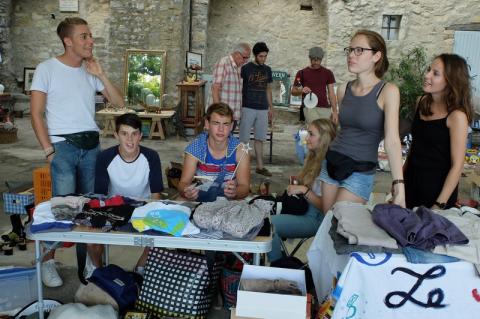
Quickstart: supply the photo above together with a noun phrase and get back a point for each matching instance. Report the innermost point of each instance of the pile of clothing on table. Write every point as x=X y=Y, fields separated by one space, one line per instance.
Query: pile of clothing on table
x=423 y=235
x=221 y=219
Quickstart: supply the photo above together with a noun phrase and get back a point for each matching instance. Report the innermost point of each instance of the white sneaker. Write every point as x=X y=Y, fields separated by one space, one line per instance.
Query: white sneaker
x=89 y=268
x=50 y=277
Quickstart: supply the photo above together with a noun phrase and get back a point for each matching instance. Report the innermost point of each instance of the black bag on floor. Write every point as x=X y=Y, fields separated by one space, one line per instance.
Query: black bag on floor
x=179 y=284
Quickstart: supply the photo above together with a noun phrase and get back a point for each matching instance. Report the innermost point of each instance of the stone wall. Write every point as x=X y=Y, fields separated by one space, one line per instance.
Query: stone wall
x=150 y=25
x=34 y=25
x=200 y=26
x=423 y=24
x=7 y=78
x=288 y=31
x=115 y=24
x=27 y=30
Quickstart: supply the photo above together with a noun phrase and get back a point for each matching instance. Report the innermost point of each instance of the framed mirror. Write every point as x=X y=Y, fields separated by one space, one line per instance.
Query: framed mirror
x=144 y=78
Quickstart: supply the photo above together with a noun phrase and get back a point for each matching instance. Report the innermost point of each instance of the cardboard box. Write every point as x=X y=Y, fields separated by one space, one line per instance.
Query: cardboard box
x=14 y=203
x=270 y=305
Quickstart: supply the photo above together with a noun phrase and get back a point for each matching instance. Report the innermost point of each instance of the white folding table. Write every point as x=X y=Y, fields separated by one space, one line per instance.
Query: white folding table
x=82 y=234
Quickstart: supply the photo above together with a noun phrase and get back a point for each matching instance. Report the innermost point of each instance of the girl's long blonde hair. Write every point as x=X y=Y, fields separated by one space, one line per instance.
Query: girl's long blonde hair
x=313 y=162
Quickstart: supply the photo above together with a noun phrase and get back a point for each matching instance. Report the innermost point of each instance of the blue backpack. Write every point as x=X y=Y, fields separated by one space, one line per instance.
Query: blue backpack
x=119 y=284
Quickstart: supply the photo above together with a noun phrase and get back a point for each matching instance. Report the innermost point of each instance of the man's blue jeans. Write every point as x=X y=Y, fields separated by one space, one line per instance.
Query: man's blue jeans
x=293 y=226
x=73 y=169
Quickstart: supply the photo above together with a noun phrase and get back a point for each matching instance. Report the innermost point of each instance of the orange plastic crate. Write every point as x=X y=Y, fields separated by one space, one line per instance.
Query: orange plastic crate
x=42 y=185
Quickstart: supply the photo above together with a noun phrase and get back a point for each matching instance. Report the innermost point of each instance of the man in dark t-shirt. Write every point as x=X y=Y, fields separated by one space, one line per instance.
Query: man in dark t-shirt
x=319 y=80
x=257 y=108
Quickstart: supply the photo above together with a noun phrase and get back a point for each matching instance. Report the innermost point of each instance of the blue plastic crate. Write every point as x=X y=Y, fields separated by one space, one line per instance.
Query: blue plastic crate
x=19 y=288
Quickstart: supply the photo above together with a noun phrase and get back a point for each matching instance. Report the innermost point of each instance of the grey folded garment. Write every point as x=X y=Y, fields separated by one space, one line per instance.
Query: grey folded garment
x=235 y=218
x=342 y=246
x=67 y=207
x=355 y=223
x=278 y=286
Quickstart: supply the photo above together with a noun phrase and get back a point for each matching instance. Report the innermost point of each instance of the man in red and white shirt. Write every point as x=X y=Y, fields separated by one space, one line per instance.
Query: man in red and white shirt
x=227 y=82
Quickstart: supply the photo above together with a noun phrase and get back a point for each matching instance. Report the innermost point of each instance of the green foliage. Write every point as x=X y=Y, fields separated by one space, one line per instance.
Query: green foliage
x=153 y=84
x=144 y=71
x=408 y=75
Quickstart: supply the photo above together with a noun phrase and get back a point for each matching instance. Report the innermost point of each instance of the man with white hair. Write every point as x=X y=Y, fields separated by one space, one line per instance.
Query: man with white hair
x=227 y=82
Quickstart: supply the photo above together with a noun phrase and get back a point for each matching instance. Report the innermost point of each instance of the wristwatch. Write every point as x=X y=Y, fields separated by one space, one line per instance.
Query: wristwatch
x=441 y=205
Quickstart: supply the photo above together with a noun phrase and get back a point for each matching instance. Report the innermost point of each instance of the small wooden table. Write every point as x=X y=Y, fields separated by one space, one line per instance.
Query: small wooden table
x=156 y=130
x=192 y=99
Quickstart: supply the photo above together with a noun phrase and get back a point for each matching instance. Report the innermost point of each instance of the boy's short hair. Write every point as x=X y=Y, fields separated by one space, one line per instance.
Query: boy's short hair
x=129 y=119
x=221 y=109
x=259 y=47
x=65 y=27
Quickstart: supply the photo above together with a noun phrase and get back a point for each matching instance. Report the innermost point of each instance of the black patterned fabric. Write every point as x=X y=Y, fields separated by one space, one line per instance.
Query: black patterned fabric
x=178 y=284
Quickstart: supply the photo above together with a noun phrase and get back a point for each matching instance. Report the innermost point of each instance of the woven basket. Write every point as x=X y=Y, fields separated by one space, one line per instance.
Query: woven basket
x=152 y=109
x=9 y=136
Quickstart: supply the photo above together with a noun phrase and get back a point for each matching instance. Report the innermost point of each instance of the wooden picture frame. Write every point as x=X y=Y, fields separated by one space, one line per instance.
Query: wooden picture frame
x=193 y=61
x=145 y=77
x=27 y=79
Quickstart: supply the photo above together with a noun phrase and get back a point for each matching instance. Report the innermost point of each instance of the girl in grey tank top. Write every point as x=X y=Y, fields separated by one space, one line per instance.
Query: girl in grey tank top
x=361 y=119
x=367 y=106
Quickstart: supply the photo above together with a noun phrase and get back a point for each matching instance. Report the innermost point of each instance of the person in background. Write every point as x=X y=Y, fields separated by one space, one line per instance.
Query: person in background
x=320 y=133
x=217 y=159
x=127 y=169
x=64 y=89
x=317 y=79
x=227 y=82
x=369 y=110
x=257 y=108
x=439 y=134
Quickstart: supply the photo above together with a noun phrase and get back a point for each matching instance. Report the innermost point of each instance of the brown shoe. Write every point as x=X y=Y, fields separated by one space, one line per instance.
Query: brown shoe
x=263 y=171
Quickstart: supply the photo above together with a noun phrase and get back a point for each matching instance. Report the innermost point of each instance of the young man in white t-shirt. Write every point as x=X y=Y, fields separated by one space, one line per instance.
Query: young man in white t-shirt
x=64 y=89
x=127 y=169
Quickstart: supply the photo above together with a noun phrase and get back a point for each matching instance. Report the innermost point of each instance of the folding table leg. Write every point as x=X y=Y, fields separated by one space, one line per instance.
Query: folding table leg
x=106 y=254
x=271 y=145
x=38 y=264
x=256 y=259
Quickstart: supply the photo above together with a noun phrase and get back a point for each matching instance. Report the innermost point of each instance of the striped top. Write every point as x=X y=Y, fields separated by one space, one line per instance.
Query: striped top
x=208 y=165
x=227 y=74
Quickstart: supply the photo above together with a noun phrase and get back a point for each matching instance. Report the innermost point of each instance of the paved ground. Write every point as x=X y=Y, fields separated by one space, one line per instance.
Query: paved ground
x=17 y=161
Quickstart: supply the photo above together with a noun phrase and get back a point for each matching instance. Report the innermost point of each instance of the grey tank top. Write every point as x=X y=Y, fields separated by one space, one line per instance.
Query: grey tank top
x=362 y=125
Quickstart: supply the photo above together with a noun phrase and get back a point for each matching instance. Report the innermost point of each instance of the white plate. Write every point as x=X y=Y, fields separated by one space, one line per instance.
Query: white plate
x=310 y=100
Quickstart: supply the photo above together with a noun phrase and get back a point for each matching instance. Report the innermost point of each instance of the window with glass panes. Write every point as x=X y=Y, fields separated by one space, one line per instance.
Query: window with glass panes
x=391 y=26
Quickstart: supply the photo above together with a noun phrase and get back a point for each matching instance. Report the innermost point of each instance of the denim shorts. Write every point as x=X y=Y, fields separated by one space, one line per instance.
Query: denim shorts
x=360 y=184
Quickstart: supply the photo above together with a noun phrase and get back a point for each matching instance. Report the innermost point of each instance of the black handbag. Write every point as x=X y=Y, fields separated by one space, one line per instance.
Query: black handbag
x=293 y=205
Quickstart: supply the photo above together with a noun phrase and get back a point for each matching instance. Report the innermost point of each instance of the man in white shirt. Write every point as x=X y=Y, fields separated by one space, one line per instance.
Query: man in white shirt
x=64 y=89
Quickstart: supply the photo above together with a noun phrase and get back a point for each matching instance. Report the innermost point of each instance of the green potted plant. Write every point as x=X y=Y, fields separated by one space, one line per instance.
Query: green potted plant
x=408 y=75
